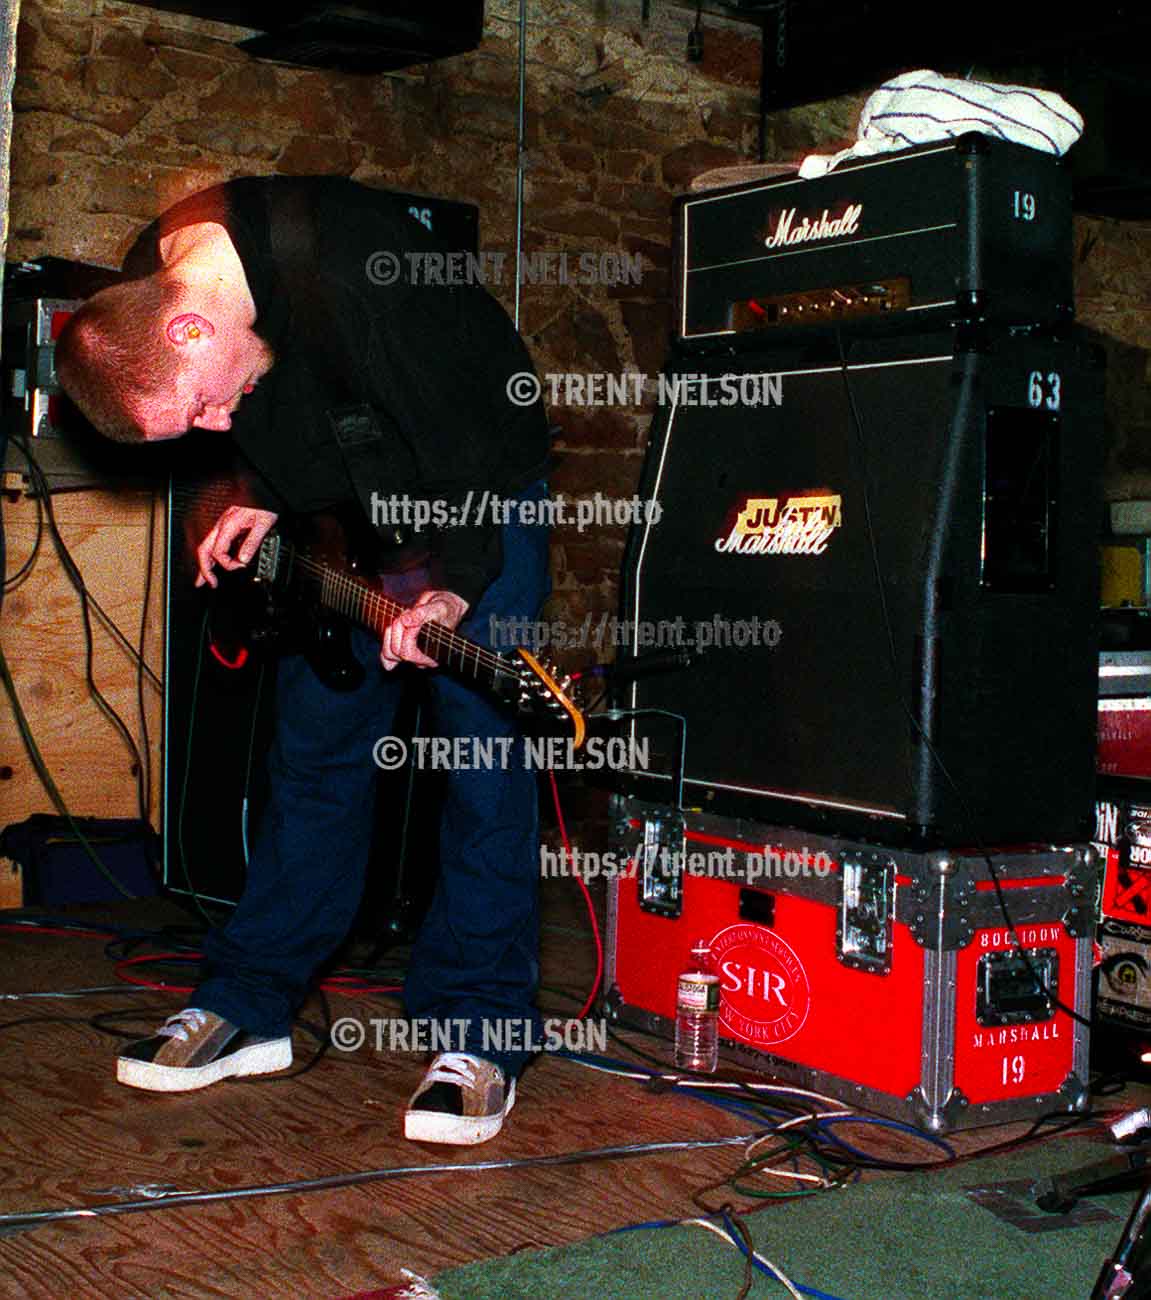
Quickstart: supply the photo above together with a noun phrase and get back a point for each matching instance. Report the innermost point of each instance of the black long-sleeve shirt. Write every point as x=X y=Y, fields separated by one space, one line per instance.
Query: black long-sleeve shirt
x=432 y=360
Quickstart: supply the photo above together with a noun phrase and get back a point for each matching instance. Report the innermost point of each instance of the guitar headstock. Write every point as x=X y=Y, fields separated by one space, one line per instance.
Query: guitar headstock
x=548 y=697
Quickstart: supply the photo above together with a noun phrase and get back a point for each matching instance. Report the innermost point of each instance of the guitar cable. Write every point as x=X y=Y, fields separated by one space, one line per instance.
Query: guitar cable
x=185 y=868
x=43 y=497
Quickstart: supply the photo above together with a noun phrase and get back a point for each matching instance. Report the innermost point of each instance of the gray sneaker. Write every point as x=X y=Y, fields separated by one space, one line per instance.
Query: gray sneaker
x=462 y=1100
x=195 y=1048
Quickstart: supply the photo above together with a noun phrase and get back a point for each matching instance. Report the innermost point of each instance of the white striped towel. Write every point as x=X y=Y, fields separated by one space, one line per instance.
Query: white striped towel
x=916 y=107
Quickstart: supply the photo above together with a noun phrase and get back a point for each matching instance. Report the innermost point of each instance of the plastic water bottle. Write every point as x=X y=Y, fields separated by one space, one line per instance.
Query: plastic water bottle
x=697 y=1013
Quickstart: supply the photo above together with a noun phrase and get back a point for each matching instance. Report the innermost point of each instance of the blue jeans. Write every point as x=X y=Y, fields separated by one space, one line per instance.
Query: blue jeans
x=477 y=955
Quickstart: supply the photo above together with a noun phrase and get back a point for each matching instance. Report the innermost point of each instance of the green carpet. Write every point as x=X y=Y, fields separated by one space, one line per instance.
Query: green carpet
x=971 y=1232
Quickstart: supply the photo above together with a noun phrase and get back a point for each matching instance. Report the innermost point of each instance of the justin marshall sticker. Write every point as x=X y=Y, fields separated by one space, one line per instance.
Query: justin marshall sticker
x=801 y=524
x=766 y=996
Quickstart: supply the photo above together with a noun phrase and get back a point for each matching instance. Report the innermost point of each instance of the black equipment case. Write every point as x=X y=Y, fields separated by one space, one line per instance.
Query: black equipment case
x=972 y=228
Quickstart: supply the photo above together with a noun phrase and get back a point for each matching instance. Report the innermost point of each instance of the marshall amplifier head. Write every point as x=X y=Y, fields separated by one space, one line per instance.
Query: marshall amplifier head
x=971 y=229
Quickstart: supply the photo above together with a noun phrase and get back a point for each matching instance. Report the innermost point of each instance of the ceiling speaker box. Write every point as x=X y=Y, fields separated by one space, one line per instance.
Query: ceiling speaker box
x=371 y=36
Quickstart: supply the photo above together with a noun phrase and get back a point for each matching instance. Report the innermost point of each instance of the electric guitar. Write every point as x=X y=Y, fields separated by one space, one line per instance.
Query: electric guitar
x=289 y=575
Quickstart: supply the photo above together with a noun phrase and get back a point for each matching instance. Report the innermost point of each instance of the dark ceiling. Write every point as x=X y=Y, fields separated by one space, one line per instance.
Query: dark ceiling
x=1097 y=55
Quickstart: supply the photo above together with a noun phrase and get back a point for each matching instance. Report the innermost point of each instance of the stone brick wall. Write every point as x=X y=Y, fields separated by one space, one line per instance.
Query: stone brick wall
x=123 y=109
x=1113 y=300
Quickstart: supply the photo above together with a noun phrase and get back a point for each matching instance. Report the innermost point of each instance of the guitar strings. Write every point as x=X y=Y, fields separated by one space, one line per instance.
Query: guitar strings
x=438 y=637
x=357 y=591
x=435 y=633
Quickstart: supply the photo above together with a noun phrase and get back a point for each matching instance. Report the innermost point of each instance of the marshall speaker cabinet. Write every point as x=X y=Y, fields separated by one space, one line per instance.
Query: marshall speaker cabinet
x=966 y=229
x=887 y=568
x=872 y=521
x=885 y=977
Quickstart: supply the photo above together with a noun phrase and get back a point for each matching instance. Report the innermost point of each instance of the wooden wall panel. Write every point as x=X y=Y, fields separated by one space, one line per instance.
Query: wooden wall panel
x=41 y=633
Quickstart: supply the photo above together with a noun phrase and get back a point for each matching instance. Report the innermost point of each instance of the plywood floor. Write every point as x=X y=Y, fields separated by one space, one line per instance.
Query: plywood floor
x=73 y=1137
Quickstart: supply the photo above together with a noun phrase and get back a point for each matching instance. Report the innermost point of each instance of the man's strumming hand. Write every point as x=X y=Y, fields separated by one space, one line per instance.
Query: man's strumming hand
x=216 y=548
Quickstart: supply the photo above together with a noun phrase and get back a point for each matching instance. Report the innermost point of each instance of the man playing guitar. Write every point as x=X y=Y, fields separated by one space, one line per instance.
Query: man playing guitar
x=256 y=310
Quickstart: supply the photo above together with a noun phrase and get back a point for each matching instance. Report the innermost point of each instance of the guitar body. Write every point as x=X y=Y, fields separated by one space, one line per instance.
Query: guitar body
x=345 y=541
x=328 y=650
x=284 y=618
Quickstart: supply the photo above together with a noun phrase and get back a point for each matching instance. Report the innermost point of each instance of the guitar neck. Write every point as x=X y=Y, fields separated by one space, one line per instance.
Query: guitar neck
x=522 y=680
x=357 y=599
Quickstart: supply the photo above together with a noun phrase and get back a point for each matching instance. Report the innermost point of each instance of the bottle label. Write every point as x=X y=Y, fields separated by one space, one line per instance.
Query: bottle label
x=698 y=993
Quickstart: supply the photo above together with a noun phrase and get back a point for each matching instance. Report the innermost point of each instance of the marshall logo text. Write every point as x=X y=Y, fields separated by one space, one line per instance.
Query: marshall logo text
x=784 y=232
x=785 y=525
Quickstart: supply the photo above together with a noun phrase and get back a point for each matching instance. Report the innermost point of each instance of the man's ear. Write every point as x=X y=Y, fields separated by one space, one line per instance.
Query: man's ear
x=217 y=418
x=188 y=327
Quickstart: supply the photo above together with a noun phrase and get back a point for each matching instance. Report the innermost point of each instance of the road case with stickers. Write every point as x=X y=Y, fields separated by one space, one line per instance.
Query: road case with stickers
x=1124 y=745
x=886 y=977
x=1123 y=840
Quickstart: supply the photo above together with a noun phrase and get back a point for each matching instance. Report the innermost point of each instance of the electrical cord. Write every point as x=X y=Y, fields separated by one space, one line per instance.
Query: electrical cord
x=747 y=1253
x=38 y=763
x=87 y=603
x=797 y=1130
x=743 y=1245
x=587 y=1006
x=49 y=783
x=66 y=993
x=324 y=1041
x=351 y=983
x=14 y=580
x=180 y=850
x=33 y=1218
x=108 y=1022
x=332 y=984
x=789 y=1101
x=141 y=661
x=835 y=1149
x=44 y=494
x=764 y=1265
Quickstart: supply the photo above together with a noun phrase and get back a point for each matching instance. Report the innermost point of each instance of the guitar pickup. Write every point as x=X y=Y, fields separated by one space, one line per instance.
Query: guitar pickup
x=268 y=559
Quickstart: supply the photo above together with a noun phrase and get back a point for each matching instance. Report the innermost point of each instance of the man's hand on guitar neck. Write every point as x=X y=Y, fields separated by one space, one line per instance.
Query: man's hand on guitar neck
x=216 y=548
x=400 y=636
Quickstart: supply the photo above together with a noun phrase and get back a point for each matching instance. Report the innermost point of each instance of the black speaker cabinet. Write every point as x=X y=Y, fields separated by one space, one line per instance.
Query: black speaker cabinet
x=915 y=532
x=219 y=719
x=219 y=693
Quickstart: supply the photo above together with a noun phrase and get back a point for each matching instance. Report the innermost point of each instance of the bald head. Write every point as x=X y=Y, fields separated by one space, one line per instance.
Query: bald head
x=113 y=356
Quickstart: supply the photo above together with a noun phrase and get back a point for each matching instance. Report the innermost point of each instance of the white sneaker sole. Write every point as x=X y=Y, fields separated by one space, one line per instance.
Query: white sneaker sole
x=458 y=1130
x=259 y=1058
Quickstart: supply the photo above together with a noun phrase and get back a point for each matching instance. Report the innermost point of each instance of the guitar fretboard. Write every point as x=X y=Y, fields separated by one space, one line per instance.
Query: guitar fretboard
x=357 y=599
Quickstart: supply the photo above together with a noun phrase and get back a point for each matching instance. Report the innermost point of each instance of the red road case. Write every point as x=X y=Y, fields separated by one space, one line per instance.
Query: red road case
x=885 y=977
